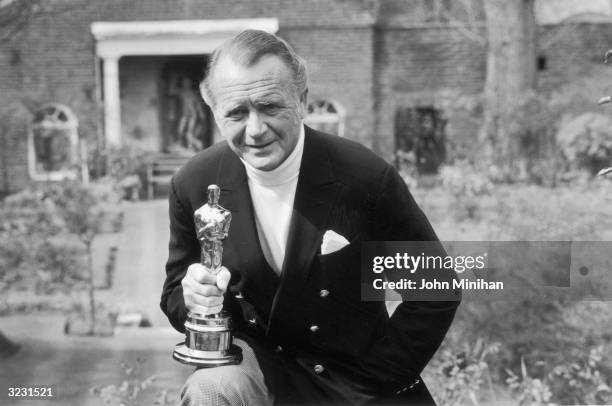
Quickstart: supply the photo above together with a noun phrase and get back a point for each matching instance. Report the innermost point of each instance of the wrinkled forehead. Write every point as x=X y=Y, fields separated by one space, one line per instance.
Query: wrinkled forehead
x=268 y=73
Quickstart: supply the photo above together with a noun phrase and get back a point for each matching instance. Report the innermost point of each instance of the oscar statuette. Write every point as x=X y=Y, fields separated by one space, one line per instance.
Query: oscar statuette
x=208 y=338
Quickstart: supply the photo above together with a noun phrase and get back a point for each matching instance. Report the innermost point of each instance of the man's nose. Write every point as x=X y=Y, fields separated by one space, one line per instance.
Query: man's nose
x=255 y=126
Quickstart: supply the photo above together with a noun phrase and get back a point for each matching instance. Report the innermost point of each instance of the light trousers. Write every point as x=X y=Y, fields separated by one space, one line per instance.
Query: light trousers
x=230 y=385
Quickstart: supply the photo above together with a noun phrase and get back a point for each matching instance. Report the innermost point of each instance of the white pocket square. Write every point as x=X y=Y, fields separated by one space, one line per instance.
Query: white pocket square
x=332 y=242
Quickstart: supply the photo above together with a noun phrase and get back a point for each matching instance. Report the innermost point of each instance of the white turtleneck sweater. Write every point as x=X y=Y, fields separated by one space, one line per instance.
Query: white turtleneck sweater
x=273 y=194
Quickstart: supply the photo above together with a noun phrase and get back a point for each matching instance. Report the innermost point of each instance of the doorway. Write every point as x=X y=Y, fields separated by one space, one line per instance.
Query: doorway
x=186 y=122
x=420 y=131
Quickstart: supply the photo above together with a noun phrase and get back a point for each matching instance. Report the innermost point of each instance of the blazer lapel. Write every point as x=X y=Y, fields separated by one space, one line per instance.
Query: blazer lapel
x=315 y=196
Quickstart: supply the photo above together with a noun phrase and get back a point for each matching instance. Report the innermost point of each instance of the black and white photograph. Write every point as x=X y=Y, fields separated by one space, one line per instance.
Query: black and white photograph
x=305 y=202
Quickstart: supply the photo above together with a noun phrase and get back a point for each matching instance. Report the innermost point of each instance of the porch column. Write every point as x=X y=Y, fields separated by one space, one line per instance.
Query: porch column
x=112 y=109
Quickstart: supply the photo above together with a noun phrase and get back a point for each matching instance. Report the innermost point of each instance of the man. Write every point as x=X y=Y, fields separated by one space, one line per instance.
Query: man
x=307 y=337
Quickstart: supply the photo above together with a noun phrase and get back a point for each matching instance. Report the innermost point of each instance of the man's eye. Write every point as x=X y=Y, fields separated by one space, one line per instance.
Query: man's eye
x=235 y=114
x=270 y=108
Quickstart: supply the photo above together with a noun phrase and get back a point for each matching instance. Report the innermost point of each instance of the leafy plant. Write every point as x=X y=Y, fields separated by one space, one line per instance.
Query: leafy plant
x=605 y=100
x=133 y=389
x=586 y=141
x=465 y=371
x=60 y=259
x=570 y=382
x=28 y=221
x=583 y=382
x=529 y=390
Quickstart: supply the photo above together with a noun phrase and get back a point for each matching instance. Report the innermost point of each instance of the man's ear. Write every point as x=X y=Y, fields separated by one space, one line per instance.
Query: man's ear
x=205 y=96
x=304 y=103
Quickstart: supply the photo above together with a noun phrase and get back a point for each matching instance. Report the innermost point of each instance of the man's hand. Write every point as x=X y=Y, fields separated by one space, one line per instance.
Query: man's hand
x=203 y=291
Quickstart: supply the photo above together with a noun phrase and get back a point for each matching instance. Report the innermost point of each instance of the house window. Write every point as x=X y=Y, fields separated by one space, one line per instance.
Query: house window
x=326 y=116
x=542 y=63
x=53 y=144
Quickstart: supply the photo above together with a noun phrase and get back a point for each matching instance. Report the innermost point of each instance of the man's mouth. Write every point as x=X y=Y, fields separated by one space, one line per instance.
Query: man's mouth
x=260 y=146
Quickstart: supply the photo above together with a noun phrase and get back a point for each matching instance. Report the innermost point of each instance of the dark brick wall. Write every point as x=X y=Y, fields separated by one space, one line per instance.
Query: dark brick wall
x=340 y=62
x=423 y=67
x=572 y=51
x=50 y=60
x=289 y=12
x=14 y=120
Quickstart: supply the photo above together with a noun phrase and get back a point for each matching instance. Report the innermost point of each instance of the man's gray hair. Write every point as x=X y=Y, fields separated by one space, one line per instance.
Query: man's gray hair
x=247 y=48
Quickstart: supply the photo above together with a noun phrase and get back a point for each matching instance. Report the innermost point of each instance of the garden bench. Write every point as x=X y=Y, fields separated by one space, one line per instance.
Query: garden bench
x=161 y=169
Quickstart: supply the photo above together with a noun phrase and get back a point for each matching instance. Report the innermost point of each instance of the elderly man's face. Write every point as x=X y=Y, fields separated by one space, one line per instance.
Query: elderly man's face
x=258 y=110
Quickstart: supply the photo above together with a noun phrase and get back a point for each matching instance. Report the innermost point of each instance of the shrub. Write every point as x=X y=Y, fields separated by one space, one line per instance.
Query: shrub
x=28 y=220
x=13 y=253
x=534 y=125
x=581 y=382
x=466 y=186
x=62 y=260
x=40 y=232
x=586 y=141
x=574 y=381
x=464 y=372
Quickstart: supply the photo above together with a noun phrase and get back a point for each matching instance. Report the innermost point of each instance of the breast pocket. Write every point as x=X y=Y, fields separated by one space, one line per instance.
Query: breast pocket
x=340 y=273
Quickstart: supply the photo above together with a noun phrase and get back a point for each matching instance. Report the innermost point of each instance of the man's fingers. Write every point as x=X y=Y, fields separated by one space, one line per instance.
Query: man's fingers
x=205 y=290
x=223 y=278
x=201 y=274
x=194 y=301
x=207 y=301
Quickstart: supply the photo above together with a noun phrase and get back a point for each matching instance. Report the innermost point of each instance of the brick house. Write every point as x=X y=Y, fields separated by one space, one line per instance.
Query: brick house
x=119 y=72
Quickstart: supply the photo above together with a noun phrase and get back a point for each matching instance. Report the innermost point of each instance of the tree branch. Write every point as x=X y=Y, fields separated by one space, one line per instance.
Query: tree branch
x=14 y=16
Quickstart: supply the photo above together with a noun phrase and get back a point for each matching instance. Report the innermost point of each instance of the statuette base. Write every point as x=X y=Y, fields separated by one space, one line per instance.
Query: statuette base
x=208 y=341
x=207 y=359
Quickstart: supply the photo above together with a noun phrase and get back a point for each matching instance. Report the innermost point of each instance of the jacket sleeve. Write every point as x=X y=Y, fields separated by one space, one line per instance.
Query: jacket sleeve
x=416 y=329
x=183 y=251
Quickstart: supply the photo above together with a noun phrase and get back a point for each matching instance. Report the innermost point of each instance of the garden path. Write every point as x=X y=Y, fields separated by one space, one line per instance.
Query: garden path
x=139 y=268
